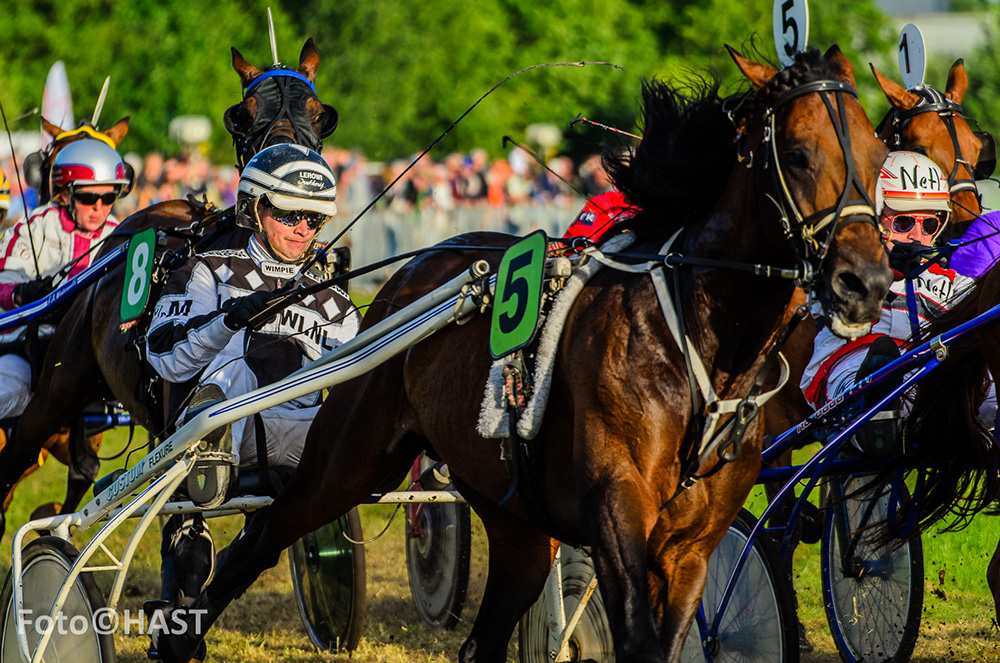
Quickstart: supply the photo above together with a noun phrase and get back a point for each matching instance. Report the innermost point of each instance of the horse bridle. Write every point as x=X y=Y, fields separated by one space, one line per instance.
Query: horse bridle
x=933 y=101
x=811 y=235
x=252 y=141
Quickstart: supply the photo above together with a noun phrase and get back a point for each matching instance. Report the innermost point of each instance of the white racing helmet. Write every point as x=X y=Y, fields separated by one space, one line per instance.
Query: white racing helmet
x=291 y=177
x=88 y=162
x=911 y=182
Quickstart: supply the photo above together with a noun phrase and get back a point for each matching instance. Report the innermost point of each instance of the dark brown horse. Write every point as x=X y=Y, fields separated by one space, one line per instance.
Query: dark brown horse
x=93 y=356
x=619 y=418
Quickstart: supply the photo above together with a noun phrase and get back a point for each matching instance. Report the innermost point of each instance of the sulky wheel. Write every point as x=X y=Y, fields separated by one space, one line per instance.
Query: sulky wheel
x=78 y=637
x=328 y=575
x=438 y=544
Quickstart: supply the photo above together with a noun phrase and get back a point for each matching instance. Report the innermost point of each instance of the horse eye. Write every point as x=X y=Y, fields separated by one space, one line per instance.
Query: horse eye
x=797 y=159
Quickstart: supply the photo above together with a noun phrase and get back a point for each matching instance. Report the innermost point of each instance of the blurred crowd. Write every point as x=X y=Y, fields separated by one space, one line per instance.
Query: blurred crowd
x=457 y=180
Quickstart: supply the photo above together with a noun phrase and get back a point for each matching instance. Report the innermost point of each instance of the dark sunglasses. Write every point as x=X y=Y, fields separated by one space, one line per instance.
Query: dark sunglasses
x=295 y=217
x=89 y=198
x=903 y=223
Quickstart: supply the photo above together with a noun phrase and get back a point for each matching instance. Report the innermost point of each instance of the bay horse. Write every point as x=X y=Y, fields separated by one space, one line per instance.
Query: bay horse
x=619 y=420
x=92 y=356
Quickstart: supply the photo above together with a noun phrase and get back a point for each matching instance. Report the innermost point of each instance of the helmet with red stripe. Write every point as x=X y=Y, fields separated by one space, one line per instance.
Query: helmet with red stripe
x=911 y=182
x=88 y=162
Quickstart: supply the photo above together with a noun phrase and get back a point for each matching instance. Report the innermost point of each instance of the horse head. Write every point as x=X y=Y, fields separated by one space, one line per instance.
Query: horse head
x=930 y=122
x=38 y=165
x=279 y=106
x=812 y=152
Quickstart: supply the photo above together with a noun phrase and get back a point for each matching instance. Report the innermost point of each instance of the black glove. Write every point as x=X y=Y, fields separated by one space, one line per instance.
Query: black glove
x=240 y=310
x=32 y=291
x=906 y=256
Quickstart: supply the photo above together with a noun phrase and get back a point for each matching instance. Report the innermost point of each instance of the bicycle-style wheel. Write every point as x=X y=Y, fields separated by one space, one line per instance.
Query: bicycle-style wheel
x=438 y=547
x=591 y=639
x=759 y=624
x=76 y=638
x=873 y=594
x=328 y=576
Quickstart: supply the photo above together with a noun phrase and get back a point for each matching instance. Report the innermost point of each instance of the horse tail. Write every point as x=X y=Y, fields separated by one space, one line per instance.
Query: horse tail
x=960 y=454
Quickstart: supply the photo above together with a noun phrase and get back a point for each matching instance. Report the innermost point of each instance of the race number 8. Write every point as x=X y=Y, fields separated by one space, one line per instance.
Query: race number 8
x=138 y=274
x=518 y=295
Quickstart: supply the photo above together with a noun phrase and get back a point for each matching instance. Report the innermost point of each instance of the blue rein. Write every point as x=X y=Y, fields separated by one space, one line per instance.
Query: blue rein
x=281 y=72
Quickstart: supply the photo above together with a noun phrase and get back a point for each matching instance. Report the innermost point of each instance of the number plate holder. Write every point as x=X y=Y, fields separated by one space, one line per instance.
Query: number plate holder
x=518 y=302
x=138 y=274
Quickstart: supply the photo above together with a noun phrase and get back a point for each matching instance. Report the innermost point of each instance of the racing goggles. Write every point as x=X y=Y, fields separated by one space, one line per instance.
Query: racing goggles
x=89 y=198
x=294 y=217
x=930 y=223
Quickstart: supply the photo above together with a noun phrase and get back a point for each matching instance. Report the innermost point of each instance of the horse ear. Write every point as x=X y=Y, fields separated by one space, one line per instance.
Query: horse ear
x=759 y=74
x=958 y=81
x=309 y=60
x=247 y=71
x=117 y=132
x=51 y=129
x=239 y=118
x=841 y=65
x=897 y=96
x=322 y=117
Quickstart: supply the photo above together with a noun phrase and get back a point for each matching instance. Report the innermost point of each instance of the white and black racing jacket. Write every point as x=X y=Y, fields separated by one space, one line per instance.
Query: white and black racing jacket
x=188 y=334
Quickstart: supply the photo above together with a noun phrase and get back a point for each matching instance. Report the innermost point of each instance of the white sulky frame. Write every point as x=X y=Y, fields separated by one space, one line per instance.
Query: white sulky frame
x=169 y=463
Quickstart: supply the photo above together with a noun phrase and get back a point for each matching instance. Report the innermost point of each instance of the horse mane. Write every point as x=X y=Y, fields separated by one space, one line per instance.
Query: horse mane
x=678 y=171
x=944 y=427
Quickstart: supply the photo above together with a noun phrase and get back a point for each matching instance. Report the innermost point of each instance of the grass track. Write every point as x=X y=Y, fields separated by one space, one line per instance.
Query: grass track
x=264 y=624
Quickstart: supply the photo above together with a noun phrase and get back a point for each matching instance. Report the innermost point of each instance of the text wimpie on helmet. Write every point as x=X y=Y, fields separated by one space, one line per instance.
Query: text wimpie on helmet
x=290 y=177
x=910 y=182
x=88 y=162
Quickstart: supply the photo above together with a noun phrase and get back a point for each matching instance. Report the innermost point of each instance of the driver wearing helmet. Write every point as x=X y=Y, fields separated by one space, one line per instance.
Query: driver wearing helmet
x=86 y=179
x=201 y=329
x=913 y=203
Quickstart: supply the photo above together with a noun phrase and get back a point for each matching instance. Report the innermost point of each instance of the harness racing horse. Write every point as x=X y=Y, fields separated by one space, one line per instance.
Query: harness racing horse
x=90 y=344
x=929 y=122
x=619 y=424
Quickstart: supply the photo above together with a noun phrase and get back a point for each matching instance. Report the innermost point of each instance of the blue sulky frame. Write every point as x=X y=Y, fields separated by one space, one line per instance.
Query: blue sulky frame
x=834 y=424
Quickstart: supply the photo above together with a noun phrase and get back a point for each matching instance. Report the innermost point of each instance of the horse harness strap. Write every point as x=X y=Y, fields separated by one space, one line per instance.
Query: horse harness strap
x=713 y=438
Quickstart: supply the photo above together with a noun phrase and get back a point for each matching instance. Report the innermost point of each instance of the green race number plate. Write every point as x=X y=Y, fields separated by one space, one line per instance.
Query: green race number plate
x=138 y=274
x=518 y=298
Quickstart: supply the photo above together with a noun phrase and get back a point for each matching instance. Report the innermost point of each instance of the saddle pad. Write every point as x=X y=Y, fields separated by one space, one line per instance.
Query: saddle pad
x=493 y=420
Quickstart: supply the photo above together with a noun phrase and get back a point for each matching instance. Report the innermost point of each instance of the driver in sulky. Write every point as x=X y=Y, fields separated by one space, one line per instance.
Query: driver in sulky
x=201 y=329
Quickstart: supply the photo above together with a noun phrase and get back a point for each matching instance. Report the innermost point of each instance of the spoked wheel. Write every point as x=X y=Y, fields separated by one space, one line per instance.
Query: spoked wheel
x=328 y=575
x=438 y=545
x=874 y=595
x=591 y=639
x=759 y=623
x=77 y=636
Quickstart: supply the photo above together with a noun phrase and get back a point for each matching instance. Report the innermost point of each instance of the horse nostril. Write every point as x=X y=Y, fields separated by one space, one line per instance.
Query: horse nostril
x=850 y=286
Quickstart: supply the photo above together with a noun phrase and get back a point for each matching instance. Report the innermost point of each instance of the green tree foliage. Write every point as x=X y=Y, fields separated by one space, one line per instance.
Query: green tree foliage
x=398 y=71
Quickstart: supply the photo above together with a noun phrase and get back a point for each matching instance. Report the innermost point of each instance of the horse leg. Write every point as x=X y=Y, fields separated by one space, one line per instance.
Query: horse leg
x=677 y=581
x=84 y=466
x=993 y=580
x=520 y=557
x=342 y=464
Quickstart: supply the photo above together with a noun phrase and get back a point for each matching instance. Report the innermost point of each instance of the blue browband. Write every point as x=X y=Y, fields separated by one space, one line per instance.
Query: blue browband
x=282 y=72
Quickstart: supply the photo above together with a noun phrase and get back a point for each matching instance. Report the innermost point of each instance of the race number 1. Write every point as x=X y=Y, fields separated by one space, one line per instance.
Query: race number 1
x=138 y=274
x=518 y=298
x=912 y=59
x=790 y=21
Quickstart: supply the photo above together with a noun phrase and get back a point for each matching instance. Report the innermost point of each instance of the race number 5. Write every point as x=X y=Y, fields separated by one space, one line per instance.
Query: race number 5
x=912 y=59
x=138 y=274
x=518 y=298
x=790 y=23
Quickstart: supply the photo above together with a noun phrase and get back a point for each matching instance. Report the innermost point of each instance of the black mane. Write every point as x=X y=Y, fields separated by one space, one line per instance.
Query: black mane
x=678 y=171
